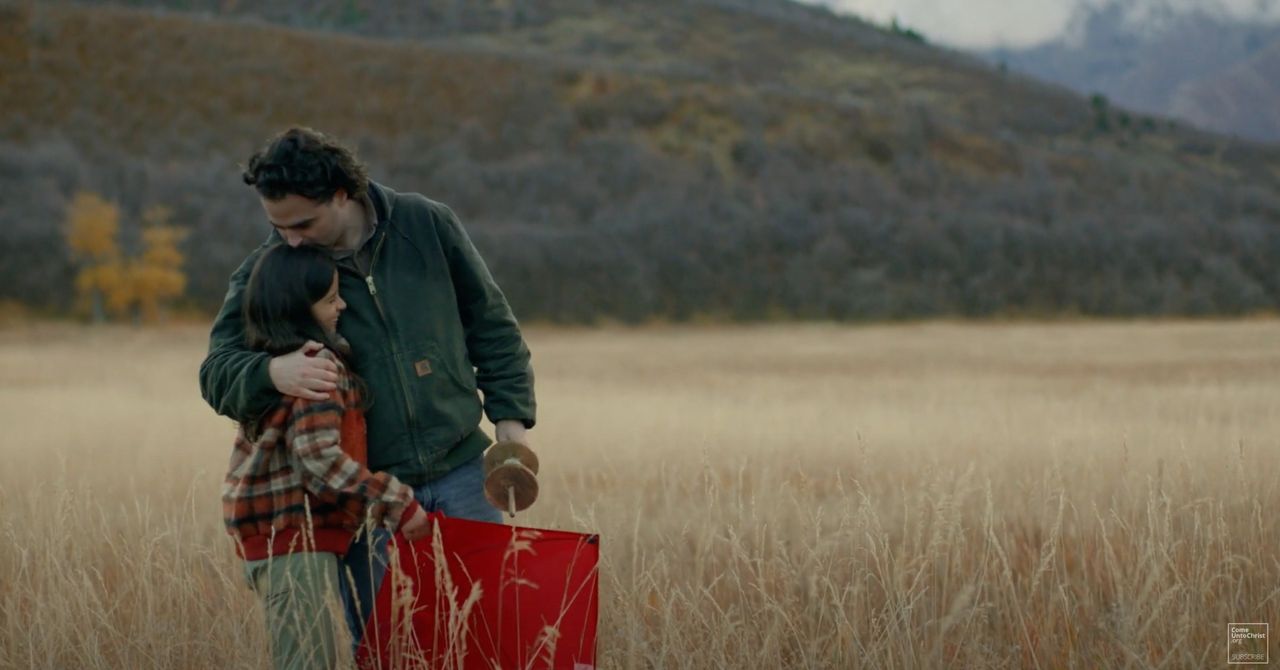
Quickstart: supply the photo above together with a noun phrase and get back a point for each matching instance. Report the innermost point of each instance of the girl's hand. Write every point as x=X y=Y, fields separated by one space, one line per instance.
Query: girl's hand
x=418 y=526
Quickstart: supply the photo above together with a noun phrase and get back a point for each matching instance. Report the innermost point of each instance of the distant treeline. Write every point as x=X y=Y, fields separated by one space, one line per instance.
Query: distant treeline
x=609 y=196
x=611 y=230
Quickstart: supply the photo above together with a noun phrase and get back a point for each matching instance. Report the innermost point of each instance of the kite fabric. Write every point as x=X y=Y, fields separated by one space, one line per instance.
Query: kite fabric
x=486 y=596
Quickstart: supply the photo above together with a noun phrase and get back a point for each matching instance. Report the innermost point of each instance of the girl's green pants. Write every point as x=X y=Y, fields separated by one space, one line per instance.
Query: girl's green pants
x=299 y=594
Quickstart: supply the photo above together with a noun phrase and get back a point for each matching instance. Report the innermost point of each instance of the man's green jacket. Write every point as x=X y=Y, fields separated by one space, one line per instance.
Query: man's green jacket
x=429 y=328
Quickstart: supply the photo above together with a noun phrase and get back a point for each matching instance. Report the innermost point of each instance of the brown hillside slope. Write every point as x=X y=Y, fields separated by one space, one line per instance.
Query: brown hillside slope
x=120 y=80
x=128 y=76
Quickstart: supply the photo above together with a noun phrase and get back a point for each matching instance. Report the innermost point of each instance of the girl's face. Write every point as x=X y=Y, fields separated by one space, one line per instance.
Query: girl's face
x=327 y=309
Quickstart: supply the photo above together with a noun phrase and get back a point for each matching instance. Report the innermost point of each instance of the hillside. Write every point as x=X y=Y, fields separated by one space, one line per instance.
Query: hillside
x=640 y=159
x=1243 y=98
x=1216 y=71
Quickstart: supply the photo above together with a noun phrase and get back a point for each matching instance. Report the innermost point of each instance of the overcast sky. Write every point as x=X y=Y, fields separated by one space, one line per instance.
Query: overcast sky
x=1017 y=23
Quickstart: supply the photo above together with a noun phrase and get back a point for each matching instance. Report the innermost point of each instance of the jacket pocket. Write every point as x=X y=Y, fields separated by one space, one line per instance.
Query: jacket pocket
x=444 y=393
x=441 y=371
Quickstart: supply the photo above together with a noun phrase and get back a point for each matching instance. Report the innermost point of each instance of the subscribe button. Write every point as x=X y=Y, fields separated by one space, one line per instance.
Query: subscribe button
x=1247 y=643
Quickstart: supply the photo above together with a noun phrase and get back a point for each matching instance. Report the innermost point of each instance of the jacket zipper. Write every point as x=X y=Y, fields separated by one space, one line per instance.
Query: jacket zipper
x=395 y=351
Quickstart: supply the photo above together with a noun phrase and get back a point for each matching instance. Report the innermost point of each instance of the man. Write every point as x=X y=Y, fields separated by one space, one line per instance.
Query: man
x=429 y=327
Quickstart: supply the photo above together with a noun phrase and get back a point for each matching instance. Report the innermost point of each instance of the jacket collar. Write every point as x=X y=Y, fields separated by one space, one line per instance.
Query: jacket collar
x=383 y=201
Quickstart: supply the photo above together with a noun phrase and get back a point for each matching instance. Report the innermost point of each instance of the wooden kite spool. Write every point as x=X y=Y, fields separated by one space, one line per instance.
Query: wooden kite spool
x=510 y=481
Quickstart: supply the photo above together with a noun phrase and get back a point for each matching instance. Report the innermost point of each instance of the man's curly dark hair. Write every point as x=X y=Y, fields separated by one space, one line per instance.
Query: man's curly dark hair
x=302 y=161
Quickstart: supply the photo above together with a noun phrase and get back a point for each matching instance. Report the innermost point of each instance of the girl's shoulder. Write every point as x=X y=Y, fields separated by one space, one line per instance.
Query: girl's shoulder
x=329 y=354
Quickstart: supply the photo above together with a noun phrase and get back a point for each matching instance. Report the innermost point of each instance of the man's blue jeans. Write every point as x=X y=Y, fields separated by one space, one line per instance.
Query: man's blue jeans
x=458 y=494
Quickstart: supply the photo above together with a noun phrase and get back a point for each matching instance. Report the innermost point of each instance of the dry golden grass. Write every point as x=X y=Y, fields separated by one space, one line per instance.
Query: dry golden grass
x=925 y=496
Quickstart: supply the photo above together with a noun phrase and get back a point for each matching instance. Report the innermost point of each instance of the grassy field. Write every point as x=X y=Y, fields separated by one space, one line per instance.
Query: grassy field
x=921 y=496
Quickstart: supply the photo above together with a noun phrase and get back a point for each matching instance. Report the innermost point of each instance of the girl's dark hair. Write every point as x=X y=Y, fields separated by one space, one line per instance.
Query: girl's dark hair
x=302 y=161
x=286 y=281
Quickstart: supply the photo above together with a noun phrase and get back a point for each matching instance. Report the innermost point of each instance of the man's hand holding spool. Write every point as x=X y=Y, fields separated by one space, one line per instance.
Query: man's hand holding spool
x=511 y=469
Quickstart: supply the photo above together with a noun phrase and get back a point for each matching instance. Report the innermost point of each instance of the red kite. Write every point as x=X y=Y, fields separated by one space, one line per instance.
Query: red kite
x=486 y=596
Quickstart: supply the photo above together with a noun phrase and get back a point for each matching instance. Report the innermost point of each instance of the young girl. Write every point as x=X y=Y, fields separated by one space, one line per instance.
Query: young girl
x=297 y=489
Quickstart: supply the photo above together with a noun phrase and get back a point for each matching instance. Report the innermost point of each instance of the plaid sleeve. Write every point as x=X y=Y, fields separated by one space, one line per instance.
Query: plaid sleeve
x=313 y=432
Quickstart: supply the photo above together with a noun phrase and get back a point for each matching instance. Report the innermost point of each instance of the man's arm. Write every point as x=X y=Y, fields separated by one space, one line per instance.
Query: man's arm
x=234 y=380
x=494 y=342
x=245 y=384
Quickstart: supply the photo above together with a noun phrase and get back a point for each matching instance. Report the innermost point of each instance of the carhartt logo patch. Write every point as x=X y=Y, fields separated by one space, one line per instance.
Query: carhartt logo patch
x=422 y=367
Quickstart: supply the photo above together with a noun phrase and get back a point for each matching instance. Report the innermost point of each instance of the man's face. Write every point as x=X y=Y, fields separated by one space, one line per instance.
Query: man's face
x=303 y=221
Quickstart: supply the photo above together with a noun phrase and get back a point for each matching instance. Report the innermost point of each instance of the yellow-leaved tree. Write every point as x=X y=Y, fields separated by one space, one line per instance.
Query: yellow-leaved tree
x=157 y=273
x=110 y=283
x=92 y=226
